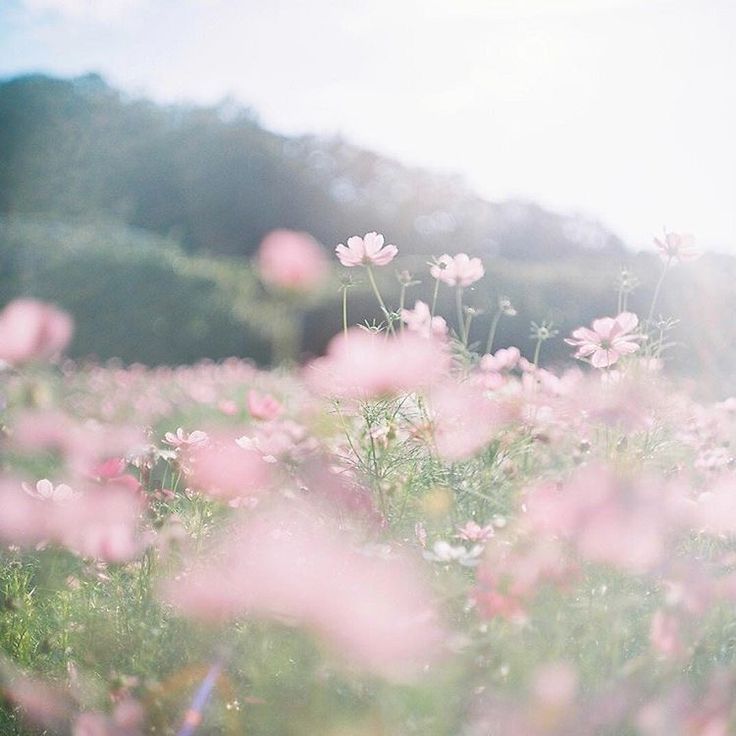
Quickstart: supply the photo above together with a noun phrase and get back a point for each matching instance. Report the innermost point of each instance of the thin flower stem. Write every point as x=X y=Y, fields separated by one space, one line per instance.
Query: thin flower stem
x=460 y=320
x=402 y=298
x=492 y=332
x=537 y=350
x=434 y=296
x=345 y=311
x=657 y=290
x=380 y=298
x=467 y=325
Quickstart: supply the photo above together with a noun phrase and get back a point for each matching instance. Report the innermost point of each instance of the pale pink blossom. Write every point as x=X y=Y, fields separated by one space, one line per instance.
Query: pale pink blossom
x=464 y=419
x=597 y=510
x=45 y=490
x=263 y=406
x=471 y=531
x=39 y=703
x=224 y=469
x=607 y=341
x=293 y=565
x=677 y=247
x=182 y=439
x=292 y=260
x=32 y=330
x=99 y=523
x=555 y=685
x=664 y=634
x=365 y=365
x=459 y=270
x=126 y=720
x=421 y=321
x=366 y=251
x=505 y=359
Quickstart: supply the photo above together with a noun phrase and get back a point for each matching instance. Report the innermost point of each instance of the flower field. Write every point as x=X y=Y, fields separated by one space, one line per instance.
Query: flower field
x=418 y=532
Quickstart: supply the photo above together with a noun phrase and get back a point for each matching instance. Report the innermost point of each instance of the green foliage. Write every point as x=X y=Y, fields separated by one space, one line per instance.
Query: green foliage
x=219 y=181
x=133 y=296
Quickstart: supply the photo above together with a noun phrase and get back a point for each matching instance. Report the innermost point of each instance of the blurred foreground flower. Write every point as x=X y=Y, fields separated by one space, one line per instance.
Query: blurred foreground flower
x=363 y=365
x=31 y=330
x=292 y=260
x=292 y=565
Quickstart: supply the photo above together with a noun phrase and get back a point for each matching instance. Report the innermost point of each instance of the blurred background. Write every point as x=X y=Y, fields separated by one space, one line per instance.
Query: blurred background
x=147 y=147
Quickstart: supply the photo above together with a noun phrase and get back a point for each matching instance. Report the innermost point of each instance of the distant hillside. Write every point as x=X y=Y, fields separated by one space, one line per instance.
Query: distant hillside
x=218 y=181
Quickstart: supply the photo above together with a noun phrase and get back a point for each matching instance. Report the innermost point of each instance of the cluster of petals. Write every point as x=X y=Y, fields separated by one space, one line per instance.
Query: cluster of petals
x=97 y=523
x=263 y=406
x=421 y=321
x=606 y=340
x=182 y=439
x=366 y=251
x=293 y=565
x=363 y=365
x=292 y=260
x=32 y=330
x=459 y=270
x=505 y=359
x=223 y=468
x=464 y=419
x=677 y=247
x=82 y=446
x=596 y=509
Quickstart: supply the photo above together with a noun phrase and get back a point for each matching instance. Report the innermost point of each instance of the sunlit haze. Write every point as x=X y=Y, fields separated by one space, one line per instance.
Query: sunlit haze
x=624 y=110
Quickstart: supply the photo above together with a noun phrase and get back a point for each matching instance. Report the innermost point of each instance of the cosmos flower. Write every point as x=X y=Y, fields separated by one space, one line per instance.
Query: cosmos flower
x=677 y=247
x=460 y=270
x=365 y=251
x=607 y=341
x=31 y=330
x=421 y=321
x=292 y=260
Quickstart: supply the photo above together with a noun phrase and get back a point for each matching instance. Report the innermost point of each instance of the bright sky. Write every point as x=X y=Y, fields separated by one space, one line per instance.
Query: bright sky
x=624 y=110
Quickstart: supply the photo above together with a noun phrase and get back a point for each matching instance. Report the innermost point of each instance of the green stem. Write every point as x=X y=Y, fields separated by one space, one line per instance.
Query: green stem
x=537 y=350
x=492 y=332
x=467 y=325
x=434 y=297
x=381 y=303
x=402 y=298
x=460 y=320
x=345 y=312
x=657 y=290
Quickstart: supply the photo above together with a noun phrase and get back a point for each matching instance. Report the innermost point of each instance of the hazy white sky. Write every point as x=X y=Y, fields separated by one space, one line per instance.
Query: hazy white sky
x=622 y=109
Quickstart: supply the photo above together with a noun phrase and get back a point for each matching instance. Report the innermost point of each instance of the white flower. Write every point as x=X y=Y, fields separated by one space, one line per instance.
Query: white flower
x=443 y=551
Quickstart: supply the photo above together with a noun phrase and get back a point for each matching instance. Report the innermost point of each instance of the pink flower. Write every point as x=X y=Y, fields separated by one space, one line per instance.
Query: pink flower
x=464 y=420
x=368 y=250
x=607 y=341
x=504 y=359
x=31 y=330
x=677 y=247
x=263 y=406
x=460 y=270
x=421 y=321
x=223 y=469
x=97 y=523
x=664 y=634
x=292 y=260
x=364 y=365
x=46 y=491
x=294 y=565
x=186 y=439
x=473 y=532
